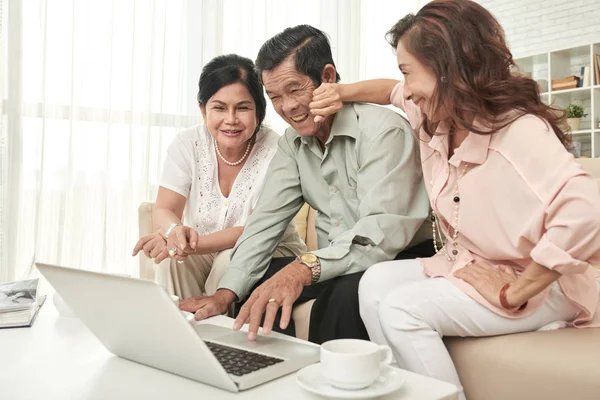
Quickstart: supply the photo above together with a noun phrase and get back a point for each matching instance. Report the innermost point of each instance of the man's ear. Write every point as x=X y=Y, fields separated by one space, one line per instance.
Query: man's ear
x=328 y=75
x=203 y=111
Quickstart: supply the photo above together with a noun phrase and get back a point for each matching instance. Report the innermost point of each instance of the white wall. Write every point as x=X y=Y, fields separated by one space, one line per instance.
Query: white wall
x=538 y=26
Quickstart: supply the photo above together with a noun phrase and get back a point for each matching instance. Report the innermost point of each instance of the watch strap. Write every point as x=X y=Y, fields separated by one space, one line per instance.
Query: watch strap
x=315 y=269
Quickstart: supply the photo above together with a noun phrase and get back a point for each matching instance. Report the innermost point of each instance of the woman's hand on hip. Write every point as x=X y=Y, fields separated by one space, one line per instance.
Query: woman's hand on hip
x=488 y=280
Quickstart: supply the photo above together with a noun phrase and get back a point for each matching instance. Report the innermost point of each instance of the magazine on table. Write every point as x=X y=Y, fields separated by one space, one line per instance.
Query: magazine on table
x=19 y=303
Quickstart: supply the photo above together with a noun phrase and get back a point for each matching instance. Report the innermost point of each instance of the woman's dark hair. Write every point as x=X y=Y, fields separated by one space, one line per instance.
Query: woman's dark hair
x=309 y=45
x=225 y=70
x=463 y=42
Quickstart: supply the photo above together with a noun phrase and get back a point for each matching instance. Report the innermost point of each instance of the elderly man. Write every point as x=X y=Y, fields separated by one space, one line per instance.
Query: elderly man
x=359 y=169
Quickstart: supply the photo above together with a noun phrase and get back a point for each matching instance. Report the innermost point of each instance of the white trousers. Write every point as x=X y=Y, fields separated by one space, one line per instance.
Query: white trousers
x=410 y=312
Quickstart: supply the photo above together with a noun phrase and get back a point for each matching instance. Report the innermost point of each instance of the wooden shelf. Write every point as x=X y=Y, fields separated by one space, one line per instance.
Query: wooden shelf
x=581 y=132
x=561 y=63
x=574 y=90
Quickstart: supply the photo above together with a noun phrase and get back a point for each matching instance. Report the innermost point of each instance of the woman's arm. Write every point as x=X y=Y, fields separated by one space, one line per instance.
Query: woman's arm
x=328 y=98
x=218 y=241
x=534 y=279
x=489 y=281
x=168 y=209
x=376 y=91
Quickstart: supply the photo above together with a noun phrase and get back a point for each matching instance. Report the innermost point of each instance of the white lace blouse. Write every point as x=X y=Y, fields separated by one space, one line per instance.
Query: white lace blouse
x=191 y=169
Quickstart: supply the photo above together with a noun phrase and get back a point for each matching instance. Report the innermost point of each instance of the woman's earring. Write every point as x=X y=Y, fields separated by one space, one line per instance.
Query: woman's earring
x=443 y=79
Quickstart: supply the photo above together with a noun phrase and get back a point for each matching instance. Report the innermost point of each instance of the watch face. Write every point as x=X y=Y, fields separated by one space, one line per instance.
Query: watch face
x=309 y=258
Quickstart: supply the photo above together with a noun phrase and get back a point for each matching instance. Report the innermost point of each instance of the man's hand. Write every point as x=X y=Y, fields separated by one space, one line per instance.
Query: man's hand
x=284 y=288
x=207 y=306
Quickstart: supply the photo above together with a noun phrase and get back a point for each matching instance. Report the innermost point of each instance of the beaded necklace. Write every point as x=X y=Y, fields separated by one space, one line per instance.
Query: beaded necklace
x=453 y=229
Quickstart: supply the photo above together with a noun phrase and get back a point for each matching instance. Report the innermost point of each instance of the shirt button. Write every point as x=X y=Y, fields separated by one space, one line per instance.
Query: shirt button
x=337 y=223
x=334 y=190
x=225 y=203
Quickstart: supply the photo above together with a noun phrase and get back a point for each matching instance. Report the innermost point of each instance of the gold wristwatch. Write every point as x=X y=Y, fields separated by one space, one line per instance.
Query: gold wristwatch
x=312 y=262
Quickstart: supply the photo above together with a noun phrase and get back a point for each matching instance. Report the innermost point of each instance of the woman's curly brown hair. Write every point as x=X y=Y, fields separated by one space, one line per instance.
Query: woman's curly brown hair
x=463 y=42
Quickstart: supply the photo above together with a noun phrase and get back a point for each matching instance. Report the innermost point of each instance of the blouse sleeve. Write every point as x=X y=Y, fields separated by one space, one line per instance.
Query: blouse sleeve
x=177 y=168
x=571 y=240
x=568 y=237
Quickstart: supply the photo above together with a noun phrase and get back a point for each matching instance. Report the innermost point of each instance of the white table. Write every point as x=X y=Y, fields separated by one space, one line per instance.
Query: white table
x=59 y=358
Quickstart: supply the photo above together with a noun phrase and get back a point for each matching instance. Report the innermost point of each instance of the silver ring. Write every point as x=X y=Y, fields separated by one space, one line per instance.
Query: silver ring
x=173 y=252
x=272 y=300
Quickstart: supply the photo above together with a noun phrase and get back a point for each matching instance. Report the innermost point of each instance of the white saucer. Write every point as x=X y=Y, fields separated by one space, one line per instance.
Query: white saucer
x=311 y=379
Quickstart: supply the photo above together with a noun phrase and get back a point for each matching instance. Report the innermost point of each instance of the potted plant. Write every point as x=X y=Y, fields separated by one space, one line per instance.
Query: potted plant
x=574 y=114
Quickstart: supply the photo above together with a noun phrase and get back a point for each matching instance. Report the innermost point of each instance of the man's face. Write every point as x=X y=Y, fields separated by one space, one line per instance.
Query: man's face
x=291 y=92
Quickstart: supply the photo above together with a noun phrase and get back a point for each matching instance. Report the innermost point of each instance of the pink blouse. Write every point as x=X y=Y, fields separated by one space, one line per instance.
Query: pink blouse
x=523 y=198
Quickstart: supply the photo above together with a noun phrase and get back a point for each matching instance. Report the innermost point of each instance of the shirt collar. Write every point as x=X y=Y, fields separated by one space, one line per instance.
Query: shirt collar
x=438 y=141
x=473 y=150
x=345 y=123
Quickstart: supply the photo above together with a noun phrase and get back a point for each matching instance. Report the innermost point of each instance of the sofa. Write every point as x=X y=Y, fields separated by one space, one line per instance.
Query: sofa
x=550 y=365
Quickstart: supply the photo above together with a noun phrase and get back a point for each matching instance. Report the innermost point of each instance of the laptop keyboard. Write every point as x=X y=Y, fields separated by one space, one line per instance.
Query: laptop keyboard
x=240 y=362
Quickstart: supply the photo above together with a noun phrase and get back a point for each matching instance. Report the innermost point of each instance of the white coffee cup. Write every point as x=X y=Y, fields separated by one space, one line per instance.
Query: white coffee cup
x=353 y=363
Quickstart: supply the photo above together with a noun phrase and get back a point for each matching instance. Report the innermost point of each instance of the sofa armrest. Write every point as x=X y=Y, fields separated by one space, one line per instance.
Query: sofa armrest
x=311 y=231
x=145 y=228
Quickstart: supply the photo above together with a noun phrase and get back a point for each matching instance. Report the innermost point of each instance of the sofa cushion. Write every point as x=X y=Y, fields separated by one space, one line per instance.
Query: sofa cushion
x=560 y=364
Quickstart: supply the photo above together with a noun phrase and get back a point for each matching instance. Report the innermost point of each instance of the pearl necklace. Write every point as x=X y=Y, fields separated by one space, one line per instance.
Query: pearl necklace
x=234 y=163
x=436 y=228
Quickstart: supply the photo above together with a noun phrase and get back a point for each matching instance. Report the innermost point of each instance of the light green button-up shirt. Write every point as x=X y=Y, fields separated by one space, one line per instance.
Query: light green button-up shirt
x=366 y=186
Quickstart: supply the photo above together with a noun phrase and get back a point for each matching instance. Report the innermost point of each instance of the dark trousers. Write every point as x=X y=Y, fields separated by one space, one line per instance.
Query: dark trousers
x=335 y=313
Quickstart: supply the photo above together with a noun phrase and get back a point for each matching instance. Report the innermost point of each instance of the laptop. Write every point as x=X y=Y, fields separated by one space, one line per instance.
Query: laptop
x=137 y=320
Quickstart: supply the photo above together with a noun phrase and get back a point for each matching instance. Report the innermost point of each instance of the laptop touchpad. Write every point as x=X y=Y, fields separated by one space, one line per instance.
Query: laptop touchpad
x=271 y=346
x=210 y=331
x=240 y=340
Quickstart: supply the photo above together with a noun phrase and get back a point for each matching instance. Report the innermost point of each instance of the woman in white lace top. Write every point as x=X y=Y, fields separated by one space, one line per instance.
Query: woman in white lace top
x=212 y=177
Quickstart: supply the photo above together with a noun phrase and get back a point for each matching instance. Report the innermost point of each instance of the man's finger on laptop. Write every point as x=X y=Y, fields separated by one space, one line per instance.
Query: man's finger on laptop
x=188 y=305
x=256 y=312
x=244 y=314
x=204 y=312
x=286 y=312
x=270 y=314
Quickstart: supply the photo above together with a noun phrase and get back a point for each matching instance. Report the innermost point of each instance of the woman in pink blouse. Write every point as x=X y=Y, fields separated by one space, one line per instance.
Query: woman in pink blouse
x=516 y=221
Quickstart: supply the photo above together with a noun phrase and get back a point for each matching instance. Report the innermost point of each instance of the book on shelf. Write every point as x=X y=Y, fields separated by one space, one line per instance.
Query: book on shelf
x=566 y=85
x=569 y=82
x=597 y=68
x=587 y=81
x=565 y=80
x=19 y=303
